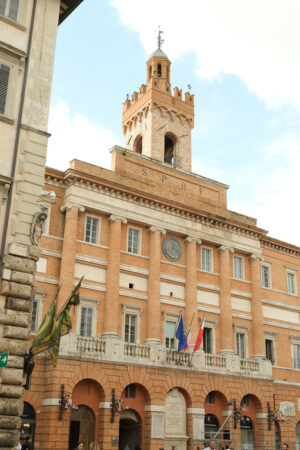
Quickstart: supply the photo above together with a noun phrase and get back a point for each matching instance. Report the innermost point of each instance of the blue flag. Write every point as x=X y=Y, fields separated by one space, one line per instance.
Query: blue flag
x=180 y=335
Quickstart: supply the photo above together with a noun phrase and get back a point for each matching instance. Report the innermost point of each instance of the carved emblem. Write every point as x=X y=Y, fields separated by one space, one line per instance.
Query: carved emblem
x=36 y=230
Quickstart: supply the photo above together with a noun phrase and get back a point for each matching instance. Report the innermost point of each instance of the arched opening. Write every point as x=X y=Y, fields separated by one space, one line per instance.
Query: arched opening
x=159 y=70
x=211 y=426
x=169 y=155
x=150 y=72
x=129 y=430
x=247 y=433
x=215 y=404
x=138 y=144
x=82 y=426
x=175 y=419
x=28 y=421
x=298 y=436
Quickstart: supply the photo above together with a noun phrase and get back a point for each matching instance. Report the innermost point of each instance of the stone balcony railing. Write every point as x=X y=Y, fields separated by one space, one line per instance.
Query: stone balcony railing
x=115 y=350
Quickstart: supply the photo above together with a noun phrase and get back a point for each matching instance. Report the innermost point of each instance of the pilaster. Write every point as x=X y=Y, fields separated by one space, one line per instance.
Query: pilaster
x=225 y=300
x=191 y=285
x=258 y=343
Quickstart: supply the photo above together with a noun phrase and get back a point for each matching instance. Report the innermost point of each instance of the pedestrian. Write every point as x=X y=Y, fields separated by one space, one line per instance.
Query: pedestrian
x=20 y=444
x=28 y=443
x=94 y=446
x=80 y=446
x=138 y=447
x=284 y=446
x=212 y=445
x=126 y=447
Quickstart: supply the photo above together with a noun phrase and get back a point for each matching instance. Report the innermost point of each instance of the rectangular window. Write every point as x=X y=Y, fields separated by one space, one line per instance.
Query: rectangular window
x=207 y=340
x=170 y=334
x=238 y=267
x=206 y=259
x=240 y=345
x=291 y=280
x=265 y=277
x=130 y=328
x=91 y=230
x=10 y=8
x=34 y=314
x=86 y=321
x=296 y=355
x=133 y=245
x=4 y=80
x=269 y=350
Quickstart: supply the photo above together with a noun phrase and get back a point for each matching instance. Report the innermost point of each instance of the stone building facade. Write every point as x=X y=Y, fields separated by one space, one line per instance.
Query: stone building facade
x=27 y=47
x=155 y=240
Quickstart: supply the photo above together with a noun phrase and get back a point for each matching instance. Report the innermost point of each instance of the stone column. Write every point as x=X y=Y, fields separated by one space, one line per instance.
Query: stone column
x=67 y=265
x=225 y=301
x=153 y=308
x=191 y=286
x=111 y=305
x=258 y=342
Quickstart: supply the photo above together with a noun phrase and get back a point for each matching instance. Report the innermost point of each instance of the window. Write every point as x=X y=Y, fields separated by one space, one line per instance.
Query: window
x=10 y=8
x=91 y=230
x=240 y=345
x=296 y=355
x=86 y=321
x=269 y=350
x=210 y=398
x=34 y=316
x=206 y=259
x=238 y=267
x=133 y=243
x=291 y=282
x=159 y=70
x=130 y=328
x=265 y=277
x=207 y=340
x=170 y=330
x=4 y=80
x=130 y=391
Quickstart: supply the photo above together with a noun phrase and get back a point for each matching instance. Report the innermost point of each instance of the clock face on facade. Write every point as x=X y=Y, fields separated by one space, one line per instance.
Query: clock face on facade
x=171 y=248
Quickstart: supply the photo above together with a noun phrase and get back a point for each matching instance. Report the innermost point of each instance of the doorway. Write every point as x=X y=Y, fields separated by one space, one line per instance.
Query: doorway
x=82 y=427
x=28 y=421
x=247 y=433
x=130 y=429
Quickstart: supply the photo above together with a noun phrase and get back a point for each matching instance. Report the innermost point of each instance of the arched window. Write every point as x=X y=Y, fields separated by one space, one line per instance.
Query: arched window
x=159 y=70
x=247 y=433
x=150 y=72
x=138 y=144
x=169 y=155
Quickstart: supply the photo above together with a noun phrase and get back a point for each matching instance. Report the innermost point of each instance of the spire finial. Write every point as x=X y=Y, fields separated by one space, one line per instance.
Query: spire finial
x=160 y=41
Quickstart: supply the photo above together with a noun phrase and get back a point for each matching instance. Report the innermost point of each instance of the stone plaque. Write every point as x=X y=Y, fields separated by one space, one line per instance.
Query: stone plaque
x=175 y=414
x=198 y=428
x=157 y=429
x=287 y=409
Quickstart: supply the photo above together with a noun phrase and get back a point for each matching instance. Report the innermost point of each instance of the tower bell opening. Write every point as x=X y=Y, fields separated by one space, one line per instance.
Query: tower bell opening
x=170 y=142
x=138 y=144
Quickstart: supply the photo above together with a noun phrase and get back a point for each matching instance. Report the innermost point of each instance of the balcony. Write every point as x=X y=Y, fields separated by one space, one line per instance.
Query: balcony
x=112 y=349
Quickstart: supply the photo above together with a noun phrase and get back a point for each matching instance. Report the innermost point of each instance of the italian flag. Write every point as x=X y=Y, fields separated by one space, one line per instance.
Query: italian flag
x=200 y=336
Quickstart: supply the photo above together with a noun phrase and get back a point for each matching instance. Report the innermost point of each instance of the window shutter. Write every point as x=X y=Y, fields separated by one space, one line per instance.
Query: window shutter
x=14 y=9
x=4 y=78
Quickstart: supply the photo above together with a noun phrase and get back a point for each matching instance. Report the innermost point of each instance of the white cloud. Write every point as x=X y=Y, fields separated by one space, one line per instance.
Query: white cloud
x=77 y=137
x=259 y=41
x=276 y=198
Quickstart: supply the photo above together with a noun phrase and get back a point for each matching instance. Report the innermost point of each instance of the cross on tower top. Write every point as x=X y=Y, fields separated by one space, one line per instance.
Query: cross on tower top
x=160 y=41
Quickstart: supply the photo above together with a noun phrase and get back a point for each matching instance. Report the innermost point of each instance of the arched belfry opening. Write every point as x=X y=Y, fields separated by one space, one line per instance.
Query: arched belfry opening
x=159 y=70
x=138 y=144
x=170 y=143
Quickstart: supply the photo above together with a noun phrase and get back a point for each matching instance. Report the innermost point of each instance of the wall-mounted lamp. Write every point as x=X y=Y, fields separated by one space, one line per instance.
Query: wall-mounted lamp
x=65 y=401
x=274 y=415
x=115 y=406
x=236 y=413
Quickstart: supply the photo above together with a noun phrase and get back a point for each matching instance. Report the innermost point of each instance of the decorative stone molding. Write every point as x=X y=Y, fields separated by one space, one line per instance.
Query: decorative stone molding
x=154 y=228
x=36 y=229
x=193 y=239
x=114 y=218
x=72 y=206
x=224 y=248
x=258 y=257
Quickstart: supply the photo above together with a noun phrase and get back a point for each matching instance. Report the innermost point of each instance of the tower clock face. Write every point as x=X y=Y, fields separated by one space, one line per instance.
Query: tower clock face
x=171 y=248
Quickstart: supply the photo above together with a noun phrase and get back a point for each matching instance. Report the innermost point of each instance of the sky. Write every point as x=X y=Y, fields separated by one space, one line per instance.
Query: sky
x=242 y=59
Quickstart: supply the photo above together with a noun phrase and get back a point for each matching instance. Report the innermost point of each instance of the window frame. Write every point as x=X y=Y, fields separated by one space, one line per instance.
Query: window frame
x=134 y=311
x=39 y=298
x=238 y=329
x=139 y=230
x=239 y=257
x=7 y=8
x=98 y=219
x=271 y=336
x=92 y=303
x=295 y=341
x=170 y=317
x=204 y=248
x=212 y=324
x=268 y=267
x=293 y=273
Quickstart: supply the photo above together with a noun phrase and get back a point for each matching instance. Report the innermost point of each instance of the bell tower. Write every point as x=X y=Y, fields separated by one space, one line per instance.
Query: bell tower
x=155 y=122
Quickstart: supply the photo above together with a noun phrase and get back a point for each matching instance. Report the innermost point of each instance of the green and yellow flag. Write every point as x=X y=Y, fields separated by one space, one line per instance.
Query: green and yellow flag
x=43 y=337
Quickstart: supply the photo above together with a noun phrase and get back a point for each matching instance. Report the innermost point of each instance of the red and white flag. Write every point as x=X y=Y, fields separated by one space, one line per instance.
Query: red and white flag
x=200 y=336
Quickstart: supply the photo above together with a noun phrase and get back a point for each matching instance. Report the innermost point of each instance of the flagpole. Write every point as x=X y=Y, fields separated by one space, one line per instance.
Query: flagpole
x=198 y=333
x=223 y=425
x=68 y=299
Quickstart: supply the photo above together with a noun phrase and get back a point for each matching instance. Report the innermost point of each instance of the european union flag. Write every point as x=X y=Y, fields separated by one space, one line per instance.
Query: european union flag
x=180 y=335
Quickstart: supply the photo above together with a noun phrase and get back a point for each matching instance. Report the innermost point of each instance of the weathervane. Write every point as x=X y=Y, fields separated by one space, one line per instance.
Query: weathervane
x=160 y=41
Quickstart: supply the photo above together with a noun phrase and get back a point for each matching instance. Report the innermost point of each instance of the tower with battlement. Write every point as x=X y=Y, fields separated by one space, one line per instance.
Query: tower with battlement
x=155 y=122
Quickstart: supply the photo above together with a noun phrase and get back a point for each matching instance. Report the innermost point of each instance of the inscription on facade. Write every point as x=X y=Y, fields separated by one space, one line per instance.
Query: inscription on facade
x=175 y=413
x=287 y=408
x=157 y=426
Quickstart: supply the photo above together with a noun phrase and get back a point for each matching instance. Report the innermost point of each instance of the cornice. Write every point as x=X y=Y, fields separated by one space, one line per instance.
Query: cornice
x=280 y=246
